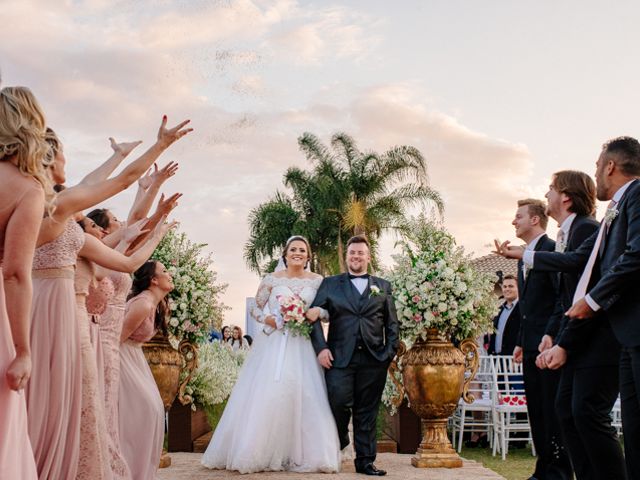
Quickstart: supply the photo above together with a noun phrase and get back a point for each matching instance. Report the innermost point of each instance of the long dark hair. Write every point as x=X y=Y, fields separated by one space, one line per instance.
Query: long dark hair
x=99 y=215
x=142 y=281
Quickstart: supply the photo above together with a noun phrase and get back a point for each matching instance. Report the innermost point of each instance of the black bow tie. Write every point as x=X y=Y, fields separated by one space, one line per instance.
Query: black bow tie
x=364 y=276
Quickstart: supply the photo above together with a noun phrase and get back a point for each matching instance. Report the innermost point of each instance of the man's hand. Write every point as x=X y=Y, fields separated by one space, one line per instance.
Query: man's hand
x=554 y=358
x=517 y=355
x=325 y=358
x=313 y=314
x=546 y=343
x=506 y=250
x=580 y=310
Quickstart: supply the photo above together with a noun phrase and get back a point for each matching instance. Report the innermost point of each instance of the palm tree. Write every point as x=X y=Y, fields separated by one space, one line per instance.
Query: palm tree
x=347 y=193
x=372 y=191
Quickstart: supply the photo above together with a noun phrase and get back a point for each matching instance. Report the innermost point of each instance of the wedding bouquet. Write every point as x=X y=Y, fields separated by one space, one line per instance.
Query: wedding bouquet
x=292 y=309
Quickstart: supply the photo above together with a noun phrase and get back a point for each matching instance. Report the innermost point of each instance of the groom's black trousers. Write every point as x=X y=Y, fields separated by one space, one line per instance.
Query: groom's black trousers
x=357 y=388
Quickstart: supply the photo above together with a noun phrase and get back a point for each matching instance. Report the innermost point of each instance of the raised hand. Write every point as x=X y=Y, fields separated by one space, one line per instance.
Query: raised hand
x=507 y=250
x=124 y=148
x=19 y=372
x=158 y=177
x=133 y=231
x=166 y=136
x=163 y=227
x=145 y=181
x=166 y=206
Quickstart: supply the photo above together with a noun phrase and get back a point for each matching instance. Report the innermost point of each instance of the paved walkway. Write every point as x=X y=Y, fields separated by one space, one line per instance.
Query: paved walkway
x=186 y=466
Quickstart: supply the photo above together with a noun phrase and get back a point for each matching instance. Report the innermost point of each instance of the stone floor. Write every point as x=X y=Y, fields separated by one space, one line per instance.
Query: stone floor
x=186 y=466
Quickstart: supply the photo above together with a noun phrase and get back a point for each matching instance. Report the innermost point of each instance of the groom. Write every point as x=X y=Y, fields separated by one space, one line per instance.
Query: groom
x=362 y=341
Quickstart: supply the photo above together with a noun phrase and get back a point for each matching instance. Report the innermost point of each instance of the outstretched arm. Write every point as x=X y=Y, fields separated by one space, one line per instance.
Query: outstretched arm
x=149 y=186
x=120 y=152
x=81 y=197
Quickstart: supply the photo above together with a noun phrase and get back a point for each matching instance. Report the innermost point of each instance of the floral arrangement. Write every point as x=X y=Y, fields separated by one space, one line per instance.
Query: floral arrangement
x=436 y=286
x=215 y=376
x=293 y=309
x=194 y=302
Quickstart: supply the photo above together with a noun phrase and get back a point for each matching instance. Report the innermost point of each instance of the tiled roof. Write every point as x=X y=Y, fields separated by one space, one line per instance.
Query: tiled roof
x=493 y=263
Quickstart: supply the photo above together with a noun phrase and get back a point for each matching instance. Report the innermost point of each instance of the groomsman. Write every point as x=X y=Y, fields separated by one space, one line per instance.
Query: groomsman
x=586 y=350
x=538 y=295
x=507 y=321
x=608 y=287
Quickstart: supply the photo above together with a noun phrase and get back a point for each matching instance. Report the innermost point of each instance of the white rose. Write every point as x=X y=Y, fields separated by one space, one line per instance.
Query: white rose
x=174 y=322
x=442 y=307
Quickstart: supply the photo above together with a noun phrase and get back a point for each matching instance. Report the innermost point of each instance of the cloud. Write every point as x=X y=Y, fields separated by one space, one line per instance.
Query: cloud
x=101 y=75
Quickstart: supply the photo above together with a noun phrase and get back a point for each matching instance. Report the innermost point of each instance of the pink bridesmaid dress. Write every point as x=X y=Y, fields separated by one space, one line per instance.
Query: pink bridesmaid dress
x=140 y=406
x=54 y=392
x=99 y=294
x=16 y=455
x=94 y=453
x=108 y=299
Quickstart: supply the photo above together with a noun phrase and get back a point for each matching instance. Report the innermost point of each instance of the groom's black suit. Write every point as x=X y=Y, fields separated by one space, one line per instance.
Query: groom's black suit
x=363 y=339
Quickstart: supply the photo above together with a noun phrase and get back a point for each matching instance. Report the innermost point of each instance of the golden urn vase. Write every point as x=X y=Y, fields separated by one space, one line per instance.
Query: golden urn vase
x=435 y=375
x=167 y=365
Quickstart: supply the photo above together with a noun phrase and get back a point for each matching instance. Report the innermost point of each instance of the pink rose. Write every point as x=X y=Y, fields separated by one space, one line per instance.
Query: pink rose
x=416 y=299
x=417 y=317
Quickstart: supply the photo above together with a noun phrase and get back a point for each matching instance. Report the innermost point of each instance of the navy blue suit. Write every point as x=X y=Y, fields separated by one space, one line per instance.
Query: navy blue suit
x=614 y=286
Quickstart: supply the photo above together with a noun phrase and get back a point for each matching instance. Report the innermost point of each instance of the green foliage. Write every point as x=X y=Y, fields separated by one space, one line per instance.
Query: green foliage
x=347 y=192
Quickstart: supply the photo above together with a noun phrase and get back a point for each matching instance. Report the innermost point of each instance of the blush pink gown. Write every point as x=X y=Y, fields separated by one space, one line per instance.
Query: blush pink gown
x=141 y=411
x=108 y=299
x=16 y=454
x=93 y=463
x=54 y=392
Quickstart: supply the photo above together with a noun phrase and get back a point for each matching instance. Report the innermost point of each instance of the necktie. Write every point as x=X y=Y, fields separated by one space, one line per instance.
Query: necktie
x=560 y=245
x=581 y=289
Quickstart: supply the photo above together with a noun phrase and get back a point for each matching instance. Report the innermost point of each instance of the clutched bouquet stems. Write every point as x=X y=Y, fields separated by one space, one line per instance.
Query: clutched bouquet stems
x=293 y=310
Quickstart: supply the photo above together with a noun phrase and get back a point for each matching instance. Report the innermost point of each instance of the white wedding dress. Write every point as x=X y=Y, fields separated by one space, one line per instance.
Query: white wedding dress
x=278 y=415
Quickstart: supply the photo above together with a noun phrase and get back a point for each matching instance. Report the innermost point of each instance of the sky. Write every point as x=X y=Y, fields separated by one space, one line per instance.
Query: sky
x=496 y=95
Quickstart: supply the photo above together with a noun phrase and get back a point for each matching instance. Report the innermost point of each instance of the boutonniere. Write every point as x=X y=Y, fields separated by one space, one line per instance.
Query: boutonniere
x=375 y=291
x=610 y=215
x=561 y=246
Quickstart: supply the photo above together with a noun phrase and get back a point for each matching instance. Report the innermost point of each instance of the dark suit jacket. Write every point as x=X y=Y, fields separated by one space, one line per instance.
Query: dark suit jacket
x=537 y=300
x=510 y=334
x=371 y=316
x=589 y=342
x=614 y=281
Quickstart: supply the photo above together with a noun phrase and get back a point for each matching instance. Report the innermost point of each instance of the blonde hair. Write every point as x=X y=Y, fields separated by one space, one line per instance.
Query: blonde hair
x=22 y=134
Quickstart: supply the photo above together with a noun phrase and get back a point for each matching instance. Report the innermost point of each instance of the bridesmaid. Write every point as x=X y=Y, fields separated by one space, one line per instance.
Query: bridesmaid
x=141 y=409
x=22 y=185
x=54 y=424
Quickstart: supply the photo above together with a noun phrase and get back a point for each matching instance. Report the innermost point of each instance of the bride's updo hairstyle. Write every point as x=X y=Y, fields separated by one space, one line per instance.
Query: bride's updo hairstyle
x=299 y=238
x=141 y=282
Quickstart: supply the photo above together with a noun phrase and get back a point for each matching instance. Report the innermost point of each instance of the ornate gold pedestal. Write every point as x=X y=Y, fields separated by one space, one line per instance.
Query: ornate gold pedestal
x=433 y=373
x=166 y=364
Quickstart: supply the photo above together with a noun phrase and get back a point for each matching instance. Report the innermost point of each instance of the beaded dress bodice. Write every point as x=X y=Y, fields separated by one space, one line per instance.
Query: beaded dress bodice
x=62 y=251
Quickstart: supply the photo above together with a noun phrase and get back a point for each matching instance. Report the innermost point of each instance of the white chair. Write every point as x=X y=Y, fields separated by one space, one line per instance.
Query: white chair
x=510 y=400
x=477 y=416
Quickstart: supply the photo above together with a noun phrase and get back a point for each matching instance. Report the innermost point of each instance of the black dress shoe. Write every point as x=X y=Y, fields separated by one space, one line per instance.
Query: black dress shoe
x=370 y=469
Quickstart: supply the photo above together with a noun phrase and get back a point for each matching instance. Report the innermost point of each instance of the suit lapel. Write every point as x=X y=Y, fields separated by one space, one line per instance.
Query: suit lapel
x=350 y=291
x=538 y=247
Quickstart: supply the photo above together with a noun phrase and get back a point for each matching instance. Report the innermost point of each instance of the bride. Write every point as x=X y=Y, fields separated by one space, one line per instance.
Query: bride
x=278 y=416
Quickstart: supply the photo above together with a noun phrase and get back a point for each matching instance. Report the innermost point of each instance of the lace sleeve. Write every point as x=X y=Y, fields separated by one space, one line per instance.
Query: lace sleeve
x=262 y=297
